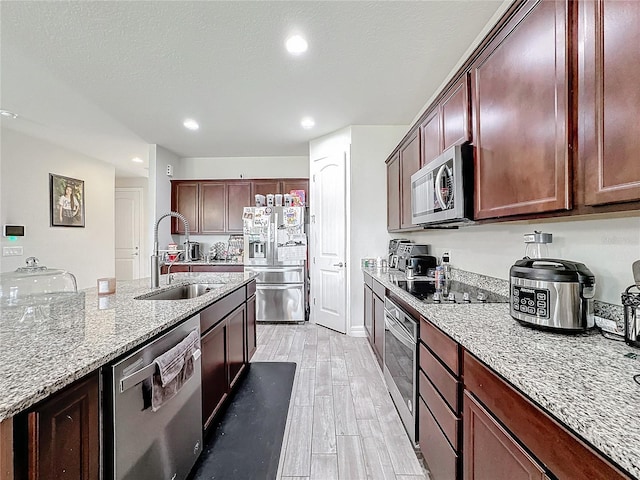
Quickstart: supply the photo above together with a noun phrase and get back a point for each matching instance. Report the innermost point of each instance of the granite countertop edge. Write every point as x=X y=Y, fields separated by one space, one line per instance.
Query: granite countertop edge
x=46 y=364
x=583 y=381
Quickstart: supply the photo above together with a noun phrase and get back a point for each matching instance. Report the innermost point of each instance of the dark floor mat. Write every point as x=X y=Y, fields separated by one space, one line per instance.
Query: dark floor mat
x=247 y=440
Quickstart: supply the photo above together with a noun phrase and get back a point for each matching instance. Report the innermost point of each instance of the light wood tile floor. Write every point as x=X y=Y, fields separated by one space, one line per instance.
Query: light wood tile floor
x=342 y=424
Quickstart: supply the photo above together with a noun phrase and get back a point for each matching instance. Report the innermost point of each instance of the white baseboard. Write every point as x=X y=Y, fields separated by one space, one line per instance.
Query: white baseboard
x=358 y=331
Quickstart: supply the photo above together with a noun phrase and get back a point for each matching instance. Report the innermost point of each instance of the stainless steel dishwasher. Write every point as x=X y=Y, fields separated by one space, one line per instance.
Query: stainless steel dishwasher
x=148 y=445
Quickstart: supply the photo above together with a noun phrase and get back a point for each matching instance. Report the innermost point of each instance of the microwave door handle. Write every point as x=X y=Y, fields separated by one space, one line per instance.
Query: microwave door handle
x=439 y=176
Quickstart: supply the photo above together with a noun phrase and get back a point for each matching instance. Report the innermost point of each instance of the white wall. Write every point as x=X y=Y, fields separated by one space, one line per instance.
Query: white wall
x=160 y=193
x=370 y=147
x=89 y=252
x=607 y=246
x=241 y=167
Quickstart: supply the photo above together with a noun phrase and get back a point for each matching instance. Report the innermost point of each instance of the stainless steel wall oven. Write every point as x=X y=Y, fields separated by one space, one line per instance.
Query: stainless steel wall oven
x=401 y=363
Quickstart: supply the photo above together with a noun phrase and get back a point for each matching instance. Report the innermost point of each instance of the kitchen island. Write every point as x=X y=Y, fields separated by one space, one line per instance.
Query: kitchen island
x=583 y=382
x=87 y=332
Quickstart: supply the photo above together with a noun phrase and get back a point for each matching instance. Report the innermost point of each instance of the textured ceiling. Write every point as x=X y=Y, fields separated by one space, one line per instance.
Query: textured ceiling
x=106 y=78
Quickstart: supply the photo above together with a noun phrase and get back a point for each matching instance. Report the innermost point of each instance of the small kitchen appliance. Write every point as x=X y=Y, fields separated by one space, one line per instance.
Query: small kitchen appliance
x=552 y=294
x=631 y=304
x=442 y=190
x=193 y=251
x=393 y=251
x=423 y=265
x=407 y=250
x=536 y=244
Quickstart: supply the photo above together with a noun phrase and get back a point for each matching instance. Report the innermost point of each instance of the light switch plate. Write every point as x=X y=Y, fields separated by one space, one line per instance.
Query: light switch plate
x=12 y=251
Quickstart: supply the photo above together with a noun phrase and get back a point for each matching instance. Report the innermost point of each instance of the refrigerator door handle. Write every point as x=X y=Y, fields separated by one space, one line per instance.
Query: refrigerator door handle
x=266 y=286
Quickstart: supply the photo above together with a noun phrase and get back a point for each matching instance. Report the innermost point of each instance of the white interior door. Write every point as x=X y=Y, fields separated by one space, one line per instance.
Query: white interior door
x=328 y=228
x=128 y=213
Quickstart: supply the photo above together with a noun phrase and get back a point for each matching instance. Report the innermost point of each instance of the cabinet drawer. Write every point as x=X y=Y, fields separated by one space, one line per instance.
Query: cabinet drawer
x=223 y=307
x=447 y=420
x=440 y=457
x=368 y=280
x=378 y=289
x=444 y=382
x=446 y=349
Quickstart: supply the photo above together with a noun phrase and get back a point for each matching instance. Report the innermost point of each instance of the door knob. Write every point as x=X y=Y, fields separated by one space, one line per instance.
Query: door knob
x=338 y=264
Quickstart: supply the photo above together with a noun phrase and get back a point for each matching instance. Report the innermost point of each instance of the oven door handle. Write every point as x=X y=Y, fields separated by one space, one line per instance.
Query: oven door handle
x=399 y=333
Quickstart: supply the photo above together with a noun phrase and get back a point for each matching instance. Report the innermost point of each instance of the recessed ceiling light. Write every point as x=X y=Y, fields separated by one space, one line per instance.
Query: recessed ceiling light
x=8 y=114
x=191 y=124
x=307 y=122
x=137 y=160
x=296 y=45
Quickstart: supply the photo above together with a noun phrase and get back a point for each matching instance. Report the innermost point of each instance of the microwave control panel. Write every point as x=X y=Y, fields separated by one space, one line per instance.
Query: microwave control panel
x=530 y=301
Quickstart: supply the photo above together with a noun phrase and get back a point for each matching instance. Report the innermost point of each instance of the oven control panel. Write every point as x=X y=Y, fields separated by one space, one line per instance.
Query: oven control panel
x=530 y=301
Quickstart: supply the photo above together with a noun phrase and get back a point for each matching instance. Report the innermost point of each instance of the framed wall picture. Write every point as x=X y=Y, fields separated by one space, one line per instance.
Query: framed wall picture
x=67 y=201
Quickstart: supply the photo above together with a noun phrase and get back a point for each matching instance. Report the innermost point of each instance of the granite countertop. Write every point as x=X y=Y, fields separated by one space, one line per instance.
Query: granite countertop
x=86 y=331
x=584 y=381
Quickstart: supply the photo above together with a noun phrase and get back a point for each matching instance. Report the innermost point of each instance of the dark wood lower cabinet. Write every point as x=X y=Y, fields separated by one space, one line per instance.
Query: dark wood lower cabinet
x=251 y=326
x=490 y=452
x=378 y=326
x=235 y=344
x=215 y=383
x=64 y=434
x=440 y=457
x=368 y=314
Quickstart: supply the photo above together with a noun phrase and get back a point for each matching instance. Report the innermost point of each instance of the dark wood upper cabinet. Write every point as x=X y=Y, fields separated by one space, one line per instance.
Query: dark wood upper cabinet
x=609 y=100
x=263 y=187
x=184 y=200
x=454 y=110
x=409 y=164
x=215 y=206
x=393 y=193
x=64 y=434
x=212 y=207
x=238 y=197
x=430 y=133
x=519 y=86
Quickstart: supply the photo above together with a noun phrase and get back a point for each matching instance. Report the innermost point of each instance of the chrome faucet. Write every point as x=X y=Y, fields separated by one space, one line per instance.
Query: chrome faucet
x=155 y=258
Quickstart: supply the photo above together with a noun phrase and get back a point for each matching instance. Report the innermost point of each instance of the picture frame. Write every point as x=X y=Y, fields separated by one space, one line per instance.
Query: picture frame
x=66 y=201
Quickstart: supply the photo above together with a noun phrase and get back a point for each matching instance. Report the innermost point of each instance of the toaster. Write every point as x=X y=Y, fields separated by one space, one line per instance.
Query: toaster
x=552 y=294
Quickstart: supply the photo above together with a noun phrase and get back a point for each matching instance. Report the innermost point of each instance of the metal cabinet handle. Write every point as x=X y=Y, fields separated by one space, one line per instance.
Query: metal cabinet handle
x=338 y=264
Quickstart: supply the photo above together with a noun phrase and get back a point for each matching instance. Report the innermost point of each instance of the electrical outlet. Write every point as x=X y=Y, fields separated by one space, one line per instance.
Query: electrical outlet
x=12 y=251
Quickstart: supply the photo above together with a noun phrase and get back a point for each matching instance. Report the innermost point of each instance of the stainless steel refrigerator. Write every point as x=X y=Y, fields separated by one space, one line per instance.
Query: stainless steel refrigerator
x=275 y=247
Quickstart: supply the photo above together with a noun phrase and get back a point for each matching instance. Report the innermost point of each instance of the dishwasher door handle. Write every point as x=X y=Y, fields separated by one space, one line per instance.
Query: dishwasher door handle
x=140 y=375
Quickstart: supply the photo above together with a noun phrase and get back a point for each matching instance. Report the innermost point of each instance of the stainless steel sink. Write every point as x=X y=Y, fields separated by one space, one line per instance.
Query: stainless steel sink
x=182 y=292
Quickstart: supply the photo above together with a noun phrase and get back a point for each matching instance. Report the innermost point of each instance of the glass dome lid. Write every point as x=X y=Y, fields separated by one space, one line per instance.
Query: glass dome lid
x=34 y=284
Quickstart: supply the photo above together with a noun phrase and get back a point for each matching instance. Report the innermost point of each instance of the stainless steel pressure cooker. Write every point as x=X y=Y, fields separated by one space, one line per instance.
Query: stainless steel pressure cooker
x=552 y=294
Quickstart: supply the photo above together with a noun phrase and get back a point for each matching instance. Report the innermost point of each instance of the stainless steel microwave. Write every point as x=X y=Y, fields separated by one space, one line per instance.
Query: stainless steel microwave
x=442 y=190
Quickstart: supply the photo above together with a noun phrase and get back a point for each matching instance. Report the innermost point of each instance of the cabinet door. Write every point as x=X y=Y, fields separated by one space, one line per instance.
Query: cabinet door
x=430 y=132
x=378 y=327
x=238 y=197
x=296 y=184
x=263 y=187
x=393 y=193
x=235 y=343
x=251 y=327
x=455 y=115
x=490 y=451
x=212 y=206
x=609 y=101
x=184 y=200
x=520 y=115
x=368 y=314
x=409 y=164
x=64 y=434
x=215 y=383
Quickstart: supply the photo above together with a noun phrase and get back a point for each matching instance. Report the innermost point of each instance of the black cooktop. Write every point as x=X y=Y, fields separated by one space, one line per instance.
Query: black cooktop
x=448 y=292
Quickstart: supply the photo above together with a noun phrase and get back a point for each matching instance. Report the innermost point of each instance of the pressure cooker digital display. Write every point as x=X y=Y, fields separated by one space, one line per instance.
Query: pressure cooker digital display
x=530 y=301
